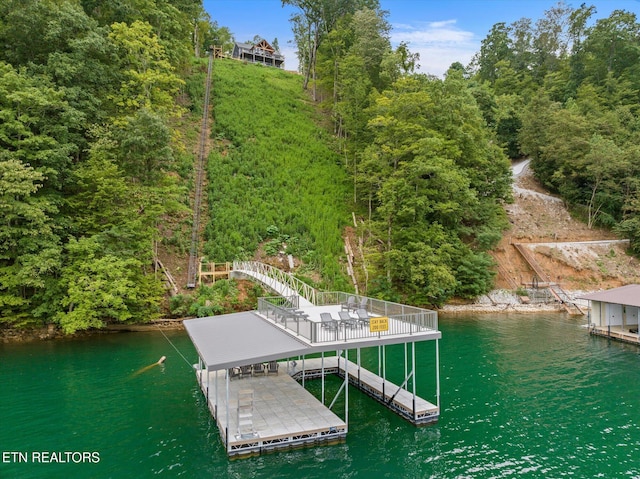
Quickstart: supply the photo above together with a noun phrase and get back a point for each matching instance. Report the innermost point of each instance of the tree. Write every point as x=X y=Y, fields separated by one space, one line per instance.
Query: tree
x=29 y=246
x=103 y=287
x=494 y=48
x=149 y=79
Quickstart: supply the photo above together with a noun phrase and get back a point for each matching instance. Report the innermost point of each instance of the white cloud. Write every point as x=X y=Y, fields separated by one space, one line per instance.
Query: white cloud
x=290 y=57
x=439 y=44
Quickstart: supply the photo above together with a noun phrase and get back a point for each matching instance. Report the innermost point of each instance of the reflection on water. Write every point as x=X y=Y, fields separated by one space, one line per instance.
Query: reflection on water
x=532 y=395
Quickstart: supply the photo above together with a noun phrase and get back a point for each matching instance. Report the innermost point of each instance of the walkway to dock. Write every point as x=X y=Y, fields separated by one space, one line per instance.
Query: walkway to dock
x=384 y=391
x=281 y=414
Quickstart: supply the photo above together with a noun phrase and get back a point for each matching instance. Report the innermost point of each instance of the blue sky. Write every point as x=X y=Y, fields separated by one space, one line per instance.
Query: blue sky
x=442 y=31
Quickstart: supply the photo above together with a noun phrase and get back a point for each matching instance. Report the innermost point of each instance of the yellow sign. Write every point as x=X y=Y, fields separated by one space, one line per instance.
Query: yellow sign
x=378 y=324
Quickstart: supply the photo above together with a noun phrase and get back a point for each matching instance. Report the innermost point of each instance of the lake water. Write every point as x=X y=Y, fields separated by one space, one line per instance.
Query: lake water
x=532 y=396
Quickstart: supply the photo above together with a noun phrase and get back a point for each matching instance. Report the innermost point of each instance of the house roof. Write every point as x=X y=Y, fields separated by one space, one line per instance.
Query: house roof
x=241 y=338
x=263 y=45
x=627 y=295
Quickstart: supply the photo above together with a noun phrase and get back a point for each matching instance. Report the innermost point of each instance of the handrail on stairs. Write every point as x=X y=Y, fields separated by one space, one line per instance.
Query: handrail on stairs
x=300 y=287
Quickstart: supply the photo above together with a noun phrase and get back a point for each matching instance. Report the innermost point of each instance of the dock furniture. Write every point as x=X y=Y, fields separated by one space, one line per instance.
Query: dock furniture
x=346 y=320
x=364 y=304
x=363 y=316
x=328 y=322
x=350 y=304
x=272 y=367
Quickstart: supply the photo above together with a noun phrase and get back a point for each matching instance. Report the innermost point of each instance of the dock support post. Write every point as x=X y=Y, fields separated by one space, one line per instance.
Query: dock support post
x=215 y=392
x=384 y=371
x=346 y=389
x=405 y=359
x=413 y=372
x=322 y=371
x=359 y=365
x=227 y=405
x=438 y=374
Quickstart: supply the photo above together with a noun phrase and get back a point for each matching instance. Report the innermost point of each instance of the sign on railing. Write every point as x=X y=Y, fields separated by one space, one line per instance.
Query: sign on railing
x=379 y=324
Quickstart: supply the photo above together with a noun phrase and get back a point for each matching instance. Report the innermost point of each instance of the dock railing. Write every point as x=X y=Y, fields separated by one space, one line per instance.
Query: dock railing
x=275 y=277
x=402 y=319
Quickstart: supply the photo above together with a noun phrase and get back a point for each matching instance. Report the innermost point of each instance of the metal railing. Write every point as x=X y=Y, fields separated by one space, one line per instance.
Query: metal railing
x=425 y=318
x=200 y=172
x=402 y=319
x=275 y=278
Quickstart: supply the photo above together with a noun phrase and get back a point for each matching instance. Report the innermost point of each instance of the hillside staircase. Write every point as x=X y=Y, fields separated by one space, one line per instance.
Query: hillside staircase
x=542 y=280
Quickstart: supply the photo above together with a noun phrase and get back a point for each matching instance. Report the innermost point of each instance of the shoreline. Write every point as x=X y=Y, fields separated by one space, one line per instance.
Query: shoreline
x=497 y=302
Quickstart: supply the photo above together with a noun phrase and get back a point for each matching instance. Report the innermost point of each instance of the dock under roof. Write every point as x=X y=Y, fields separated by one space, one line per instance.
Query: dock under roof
x=247 y=406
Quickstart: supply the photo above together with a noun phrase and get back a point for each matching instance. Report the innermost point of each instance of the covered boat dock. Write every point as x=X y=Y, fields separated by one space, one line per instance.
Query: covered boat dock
x=253 y=367
x=614 y=313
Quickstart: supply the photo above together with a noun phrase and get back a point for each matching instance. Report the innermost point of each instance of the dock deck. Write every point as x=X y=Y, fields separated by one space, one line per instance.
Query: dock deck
x=618 y=333
x=283 y=413
x=261 y=412
x=385 y=392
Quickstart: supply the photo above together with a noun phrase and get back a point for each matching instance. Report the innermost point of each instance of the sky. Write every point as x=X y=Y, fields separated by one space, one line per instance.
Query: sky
x=441 y=31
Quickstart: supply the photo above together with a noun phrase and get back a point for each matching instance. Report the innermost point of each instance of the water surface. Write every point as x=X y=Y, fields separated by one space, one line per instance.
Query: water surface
x=524 y=395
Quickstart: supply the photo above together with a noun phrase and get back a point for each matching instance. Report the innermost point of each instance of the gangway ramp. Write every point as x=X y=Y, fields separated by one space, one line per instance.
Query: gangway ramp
x=281 y=282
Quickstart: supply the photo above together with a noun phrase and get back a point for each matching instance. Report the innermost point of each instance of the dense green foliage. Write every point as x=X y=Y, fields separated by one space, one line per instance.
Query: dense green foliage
x=428 y=176
x=87 y=152
x=274 y=177
x=565 y=91
x=222 y=297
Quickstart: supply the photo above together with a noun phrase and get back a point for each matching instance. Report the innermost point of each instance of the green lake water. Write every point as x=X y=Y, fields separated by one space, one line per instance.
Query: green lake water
x=532 y=396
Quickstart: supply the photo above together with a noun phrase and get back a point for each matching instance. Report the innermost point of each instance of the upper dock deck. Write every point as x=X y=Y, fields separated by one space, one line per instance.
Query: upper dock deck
x=348 y=318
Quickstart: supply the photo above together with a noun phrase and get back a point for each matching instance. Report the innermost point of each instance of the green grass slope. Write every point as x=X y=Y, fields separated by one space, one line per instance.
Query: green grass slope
x=274 y=176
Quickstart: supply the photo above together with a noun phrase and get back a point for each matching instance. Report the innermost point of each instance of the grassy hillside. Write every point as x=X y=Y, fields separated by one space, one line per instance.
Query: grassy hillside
x=273 y=177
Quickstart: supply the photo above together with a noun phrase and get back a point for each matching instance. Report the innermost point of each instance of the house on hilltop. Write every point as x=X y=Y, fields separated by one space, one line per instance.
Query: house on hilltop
x=261 y=52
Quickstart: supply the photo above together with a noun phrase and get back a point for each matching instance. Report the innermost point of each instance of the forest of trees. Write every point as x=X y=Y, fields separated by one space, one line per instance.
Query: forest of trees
x=90 y=155
x=94 y=156
x=429 y=177
x=429 y=156
x=565 y=91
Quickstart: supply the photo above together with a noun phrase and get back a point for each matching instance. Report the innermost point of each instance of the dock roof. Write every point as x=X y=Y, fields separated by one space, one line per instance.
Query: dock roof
x=241 y=338
x=627 y=295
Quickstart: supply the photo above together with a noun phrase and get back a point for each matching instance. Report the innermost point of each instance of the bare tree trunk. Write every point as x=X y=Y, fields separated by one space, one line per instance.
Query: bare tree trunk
x=591 y=213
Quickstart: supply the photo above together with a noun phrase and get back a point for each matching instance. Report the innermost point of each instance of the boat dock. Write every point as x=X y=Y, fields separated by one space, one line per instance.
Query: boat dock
x=269 y=412
x=411 y=407
x=248 y=364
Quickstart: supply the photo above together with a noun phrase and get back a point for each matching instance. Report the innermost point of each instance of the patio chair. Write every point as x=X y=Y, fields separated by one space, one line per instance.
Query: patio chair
x=234 y=373
x=272 y=367
x=364 y=304
x=347 y=320
x=258 y=368
x=363 y=316
x=328 y=322
x=245 y=370
x=350 y=304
